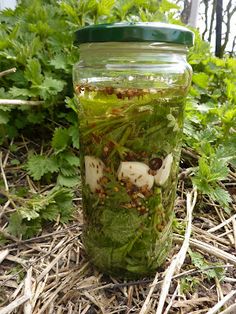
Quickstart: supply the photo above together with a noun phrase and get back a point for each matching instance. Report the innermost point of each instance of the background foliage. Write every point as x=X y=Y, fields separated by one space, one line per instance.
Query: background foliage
x=37 y=39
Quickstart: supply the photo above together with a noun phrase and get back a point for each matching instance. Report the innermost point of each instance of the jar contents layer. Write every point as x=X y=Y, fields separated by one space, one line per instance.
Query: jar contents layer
x=130 y=146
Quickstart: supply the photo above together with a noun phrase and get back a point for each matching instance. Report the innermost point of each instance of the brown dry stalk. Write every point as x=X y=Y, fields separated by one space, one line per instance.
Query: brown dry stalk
x=145 y=306
x=179 y=258
x=230 y=310
x=19 y=102
x=225 y=222
x=14 y=304
x=3 y=255
x=210 y=249
x=218 y=305
x=3 y=174
x=3 y=73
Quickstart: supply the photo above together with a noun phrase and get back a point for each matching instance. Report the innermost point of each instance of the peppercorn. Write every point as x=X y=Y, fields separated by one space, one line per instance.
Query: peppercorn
x=155 y=163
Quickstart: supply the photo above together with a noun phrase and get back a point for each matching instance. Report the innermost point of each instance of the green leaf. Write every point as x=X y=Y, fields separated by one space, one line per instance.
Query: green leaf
x=60 y=140
x=64 y=202
x=68 y=171
x=33 y=72
x=38 y=165
x=4 y=117
x=68 y=181
x=201 y=79
x=105 y=6
x=29 y=213
x=74 y=133
x=19 y=92
x=16 y=225
x=222 y=196
x=71 y=159
x=166 y=6
x=200 y=263
x=50 y=86
x=59 y=62
x=33 y=227
x=50 y=212
x=120 y=225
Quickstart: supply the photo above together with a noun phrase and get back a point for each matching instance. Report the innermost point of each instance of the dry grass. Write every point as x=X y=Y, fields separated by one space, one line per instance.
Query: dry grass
x=50 y=273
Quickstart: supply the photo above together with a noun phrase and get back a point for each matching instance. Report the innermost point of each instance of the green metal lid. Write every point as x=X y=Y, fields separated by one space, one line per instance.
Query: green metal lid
x=135 y=32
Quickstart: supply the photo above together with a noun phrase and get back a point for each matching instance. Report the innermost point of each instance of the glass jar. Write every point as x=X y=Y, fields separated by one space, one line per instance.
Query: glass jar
x=131 y=83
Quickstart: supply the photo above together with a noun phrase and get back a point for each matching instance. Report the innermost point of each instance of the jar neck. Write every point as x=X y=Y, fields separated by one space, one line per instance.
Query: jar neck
x=133 y=50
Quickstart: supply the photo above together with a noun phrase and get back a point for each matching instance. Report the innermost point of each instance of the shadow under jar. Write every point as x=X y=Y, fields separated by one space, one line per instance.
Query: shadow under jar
x=131 y=83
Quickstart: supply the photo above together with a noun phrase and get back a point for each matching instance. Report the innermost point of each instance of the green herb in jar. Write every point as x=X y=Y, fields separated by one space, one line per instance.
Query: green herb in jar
x=130 y=146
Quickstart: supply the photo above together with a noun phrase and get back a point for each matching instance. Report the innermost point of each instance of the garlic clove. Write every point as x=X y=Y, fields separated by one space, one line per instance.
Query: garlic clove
x=136 y=172
x=93 y=172
x=163 y=173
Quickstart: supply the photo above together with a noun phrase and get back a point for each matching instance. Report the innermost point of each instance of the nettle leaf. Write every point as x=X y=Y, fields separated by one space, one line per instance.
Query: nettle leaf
x=71 y=159
x=59 y=62
x=68 y=181
x=50 y=87
x=29 y=213
x=120 y=226
x=16 y=225
x=212 y=169
x=222 y=196
x=19 y=92
x=74 y=133
x=60 y=140
x=201 y=79
x=168 y=5
x=68 y=171
x=37 y=166
x=32 y=212
x=50 y=212
x=200 y=263
x=64 y=201
x=33 y=227
x=33 y=72
x=4 y=117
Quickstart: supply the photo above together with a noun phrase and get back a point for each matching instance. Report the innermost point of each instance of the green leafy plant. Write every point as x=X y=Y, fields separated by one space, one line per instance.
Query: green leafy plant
x=32 y=213
x=200 y=263
x=37 y=39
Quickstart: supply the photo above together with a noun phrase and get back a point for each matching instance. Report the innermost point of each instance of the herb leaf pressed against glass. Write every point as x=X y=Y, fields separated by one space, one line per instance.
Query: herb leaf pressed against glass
x=128 y=200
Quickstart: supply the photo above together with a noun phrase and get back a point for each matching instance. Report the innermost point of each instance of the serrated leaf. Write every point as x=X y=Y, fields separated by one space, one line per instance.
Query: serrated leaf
x=64 y=201
x=71 y=159
x=50 y=86
x=38 y=165
x=59 y=62
x=168 y=5
x=50 y=212
x=19 y=92
x=199 y=262
x=123 y=231
x=68 y=181
x=4 y=117
x=33 y=72
x=16 y=225
x=33 y=227
x=68 y=171
x=222 y=196
x=60 y=140
x=74 y=133
x=201 y=79
x=27 y=214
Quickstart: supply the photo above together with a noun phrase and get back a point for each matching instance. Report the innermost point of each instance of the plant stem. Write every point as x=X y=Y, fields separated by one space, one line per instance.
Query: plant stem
x=12 y=70
x=20 y=102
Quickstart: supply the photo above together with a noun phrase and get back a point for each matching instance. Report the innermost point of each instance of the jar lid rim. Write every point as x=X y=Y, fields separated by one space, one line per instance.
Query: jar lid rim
x=135 y=32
